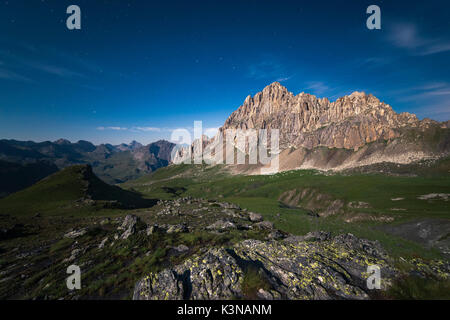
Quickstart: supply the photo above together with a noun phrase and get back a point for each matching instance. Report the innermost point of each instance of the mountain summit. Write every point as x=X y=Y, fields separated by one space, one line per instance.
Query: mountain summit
x=355 y=130
x=307 y=121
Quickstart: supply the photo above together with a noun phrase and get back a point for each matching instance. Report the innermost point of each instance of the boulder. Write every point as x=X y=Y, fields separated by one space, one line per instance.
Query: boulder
x=221 y=225
x=181 y=248
x=255 y=217
x=177 y=228
x=76 y=233
x=102 y=244
x=153 y=229
x=215 y=275
x=129 y=226
x=264 y=225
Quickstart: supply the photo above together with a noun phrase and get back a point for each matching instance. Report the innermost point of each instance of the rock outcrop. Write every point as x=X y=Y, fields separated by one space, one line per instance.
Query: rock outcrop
x=321 y=268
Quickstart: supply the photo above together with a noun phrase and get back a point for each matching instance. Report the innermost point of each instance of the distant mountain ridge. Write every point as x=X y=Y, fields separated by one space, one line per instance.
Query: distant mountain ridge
x=113 y=164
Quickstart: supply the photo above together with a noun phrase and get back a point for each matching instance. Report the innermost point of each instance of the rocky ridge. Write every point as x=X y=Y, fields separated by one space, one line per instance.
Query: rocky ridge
x=191 y=248
x=113 y=164
x=315 y=133
x=307 y=121
x=315 y=266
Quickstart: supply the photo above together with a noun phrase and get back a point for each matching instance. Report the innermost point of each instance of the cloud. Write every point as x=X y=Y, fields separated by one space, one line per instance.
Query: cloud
x=284 y=79
x=147 y=129
x=317 y=87
x=133 y=129
x=432 y=99
x=11 y=75
x=407 y=36
x=427 y=91
x=57 y=70
x=373 y=62
x=268 y=67
x=44 y=60
x=112 y=128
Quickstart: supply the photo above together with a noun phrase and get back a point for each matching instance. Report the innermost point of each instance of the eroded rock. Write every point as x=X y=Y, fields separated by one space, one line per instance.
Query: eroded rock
x=327 y=269
x=129 y=226
x=255 y=217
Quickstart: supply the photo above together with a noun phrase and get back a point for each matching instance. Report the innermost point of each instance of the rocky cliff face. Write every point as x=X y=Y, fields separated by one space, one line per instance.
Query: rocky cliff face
x=352 y=131
x=307 y=121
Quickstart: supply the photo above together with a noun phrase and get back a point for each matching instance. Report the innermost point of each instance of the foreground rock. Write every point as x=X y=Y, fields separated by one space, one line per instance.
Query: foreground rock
x=295 y=269
x=129 y=225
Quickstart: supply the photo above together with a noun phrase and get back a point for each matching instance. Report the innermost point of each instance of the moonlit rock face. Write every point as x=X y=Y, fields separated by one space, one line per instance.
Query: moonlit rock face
x=307 y=121
x=314 y=133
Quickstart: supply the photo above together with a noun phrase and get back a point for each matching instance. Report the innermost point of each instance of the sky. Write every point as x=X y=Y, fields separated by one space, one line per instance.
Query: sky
x=136 y=70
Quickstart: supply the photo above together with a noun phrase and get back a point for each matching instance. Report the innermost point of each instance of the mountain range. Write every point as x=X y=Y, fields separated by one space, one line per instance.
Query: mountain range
x=353 y=131
x=113 y=164
x=322 y=229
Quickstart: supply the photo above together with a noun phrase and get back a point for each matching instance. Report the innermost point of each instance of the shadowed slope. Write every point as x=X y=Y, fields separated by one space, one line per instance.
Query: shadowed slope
x=72 y=189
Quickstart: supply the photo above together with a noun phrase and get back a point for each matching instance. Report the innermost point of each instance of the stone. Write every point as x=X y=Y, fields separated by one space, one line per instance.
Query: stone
x=105 y=221
x=181 y=248
x=221 y=225
x=265 y=225
x=177 y=228
x=255 y=217
x=153 y=229
x=129 y=226
x=76 y=233
x=317 y=236
x=275 y=235
x=335 y=268
x=102 y=244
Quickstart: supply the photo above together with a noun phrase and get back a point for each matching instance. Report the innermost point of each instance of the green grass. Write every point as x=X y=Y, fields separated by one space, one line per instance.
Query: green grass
x=113 y=271
x=375 y=189
x=417 y=288
x=254 y=280
x=261 y=194
x=57 y=195
x=61 y=245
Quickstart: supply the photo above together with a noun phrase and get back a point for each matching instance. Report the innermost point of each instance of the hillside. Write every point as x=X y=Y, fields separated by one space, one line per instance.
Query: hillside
x=75 y=190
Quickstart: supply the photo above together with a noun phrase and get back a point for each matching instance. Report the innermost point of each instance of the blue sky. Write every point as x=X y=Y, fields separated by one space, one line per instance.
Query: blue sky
x=138 y=69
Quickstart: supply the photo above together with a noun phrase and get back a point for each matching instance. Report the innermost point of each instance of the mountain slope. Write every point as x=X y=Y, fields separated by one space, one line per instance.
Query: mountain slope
x=74 y=189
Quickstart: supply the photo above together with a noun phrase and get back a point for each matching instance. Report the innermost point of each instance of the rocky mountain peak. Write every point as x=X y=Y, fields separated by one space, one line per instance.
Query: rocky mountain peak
x=305 y=120
x=275 y=87
x=357 y=94
x=62 y=142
